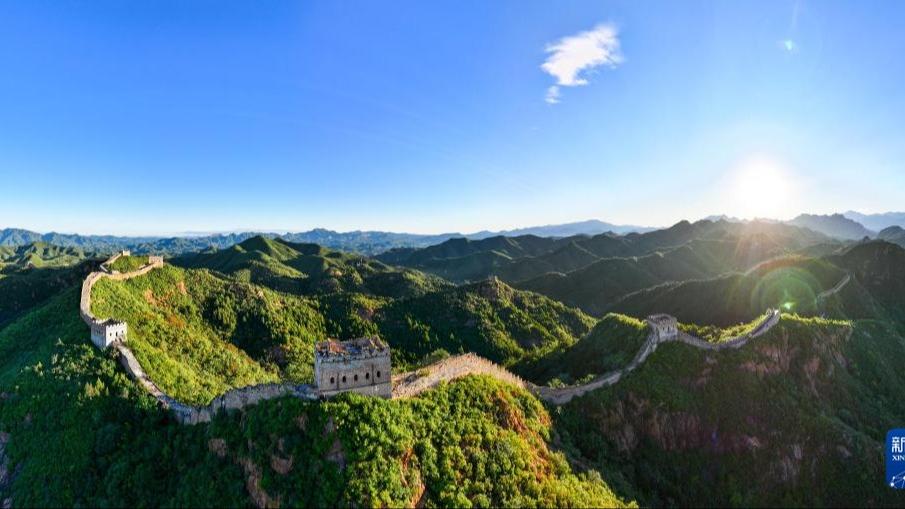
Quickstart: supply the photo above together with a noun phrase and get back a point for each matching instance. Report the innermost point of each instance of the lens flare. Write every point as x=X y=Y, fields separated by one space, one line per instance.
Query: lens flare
x=761 y=188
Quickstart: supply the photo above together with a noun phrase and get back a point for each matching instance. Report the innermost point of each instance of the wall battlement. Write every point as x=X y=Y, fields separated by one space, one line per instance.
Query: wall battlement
x=360 y=365
x=369 y=360
x=663 y=329
x=107 y=332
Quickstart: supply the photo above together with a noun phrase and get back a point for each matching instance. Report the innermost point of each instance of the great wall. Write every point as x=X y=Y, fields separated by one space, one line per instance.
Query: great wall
x=663 y=328
x=822 y=296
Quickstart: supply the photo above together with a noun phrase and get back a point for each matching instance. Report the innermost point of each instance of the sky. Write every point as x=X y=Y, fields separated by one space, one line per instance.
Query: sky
x=162 y=117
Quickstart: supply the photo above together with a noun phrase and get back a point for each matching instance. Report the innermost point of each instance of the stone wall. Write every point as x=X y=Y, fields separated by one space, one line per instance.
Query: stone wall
x=380 y=390
x=230 y=400
x=185 y=414
x=368 y=373
x=834 y=290
x=404 y=385
x=97 y=325
x=415 y=382
x=767 y=322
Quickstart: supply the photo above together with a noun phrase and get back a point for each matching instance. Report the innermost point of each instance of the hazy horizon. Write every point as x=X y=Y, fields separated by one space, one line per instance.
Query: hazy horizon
x=279 y=231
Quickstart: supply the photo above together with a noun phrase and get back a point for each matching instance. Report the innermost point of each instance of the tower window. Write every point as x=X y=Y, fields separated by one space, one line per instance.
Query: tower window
x=356 y=378
x=332 y=380
x=344 y=378
x=378 y=374
x=367 y=376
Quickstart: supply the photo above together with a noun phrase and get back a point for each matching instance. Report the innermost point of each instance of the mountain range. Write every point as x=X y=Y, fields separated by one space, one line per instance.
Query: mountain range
x=795 y=417
x=365 y=242
x=835 y=225
x=877 y=222
x=851 y=225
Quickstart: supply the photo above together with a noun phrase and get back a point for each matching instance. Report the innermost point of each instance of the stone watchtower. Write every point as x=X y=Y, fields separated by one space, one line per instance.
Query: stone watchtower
x=666 y=326
x=360 y=365
x=104 y=334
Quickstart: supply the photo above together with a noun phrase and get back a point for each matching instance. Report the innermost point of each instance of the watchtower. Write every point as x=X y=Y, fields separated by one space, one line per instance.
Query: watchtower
x=666 y=326
x=359 y=365
x=103 y=334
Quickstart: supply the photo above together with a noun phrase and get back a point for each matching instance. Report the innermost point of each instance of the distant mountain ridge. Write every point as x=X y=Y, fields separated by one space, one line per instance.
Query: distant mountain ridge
x=592 y=272
x=589 y=227
x=835 y=225
x=877 y=222
x=894 y=234
x=109 y=243
x=364 y=242
x=850 y=226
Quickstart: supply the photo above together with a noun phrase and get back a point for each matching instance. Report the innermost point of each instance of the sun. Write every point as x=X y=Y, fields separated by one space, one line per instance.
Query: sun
x=761 y=188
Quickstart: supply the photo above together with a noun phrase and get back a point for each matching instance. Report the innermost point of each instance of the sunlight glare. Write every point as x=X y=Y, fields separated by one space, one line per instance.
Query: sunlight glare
x=761 y=189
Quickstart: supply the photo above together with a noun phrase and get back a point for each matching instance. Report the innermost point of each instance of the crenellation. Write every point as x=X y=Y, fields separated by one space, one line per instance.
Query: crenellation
x=360 y=365
x=104 y=334
x=364 y=365
x=665 y=326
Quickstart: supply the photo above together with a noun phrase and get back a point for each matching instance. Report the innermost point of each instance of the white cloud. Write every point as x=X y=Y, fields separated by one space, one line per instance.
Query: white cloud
x=570 y=58
x=789 y=45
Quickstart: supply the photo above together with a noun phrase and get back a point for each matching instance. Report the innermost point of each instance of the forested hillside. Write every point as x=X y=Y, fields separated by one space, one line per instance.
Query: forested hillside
x=199 y=332
x=792 y=283
x=31 y=274
x=592 y=273
x=80 y=433
x=793 y=417
x=796 y=418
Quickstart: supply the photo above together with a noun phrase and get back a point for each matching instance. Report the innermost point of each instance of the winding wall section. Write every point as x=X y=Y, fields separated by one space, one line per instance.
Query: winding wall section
x=413 y=383
x=184 y=413
x=822 y=296
x=407 y=384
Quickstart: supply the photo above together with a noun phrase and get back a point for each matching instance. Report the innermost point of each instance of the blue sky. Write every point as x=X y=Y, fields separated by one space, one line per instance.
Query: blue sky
x=162 y=117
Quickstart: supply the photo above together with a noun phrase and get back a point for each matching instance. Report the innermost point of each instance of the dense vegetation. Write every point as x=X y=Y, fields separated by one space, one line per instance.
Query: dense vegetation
x=599 y=287
x=595 y=273
x=796 y=418
x=719 y=246
x=791 y=283
x=198 y=332
x=476 y=442
x=128 y=263
x=32 y=273
x=38 y=255
x=83 y=434
x=306 y=269
x=611 y=345
x=187 y=329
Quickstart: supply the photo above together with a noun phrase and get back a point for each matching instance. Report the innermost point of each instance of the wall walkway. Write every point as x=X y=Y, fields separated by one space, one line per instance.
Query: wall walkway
x=409 y=384
x=413 y=383
x=184 y=413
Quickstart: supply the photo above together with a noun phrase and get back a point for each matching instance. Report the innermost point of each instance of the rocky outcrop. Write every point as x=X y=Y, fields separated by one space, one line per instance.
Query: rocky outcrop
x=5 y=474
